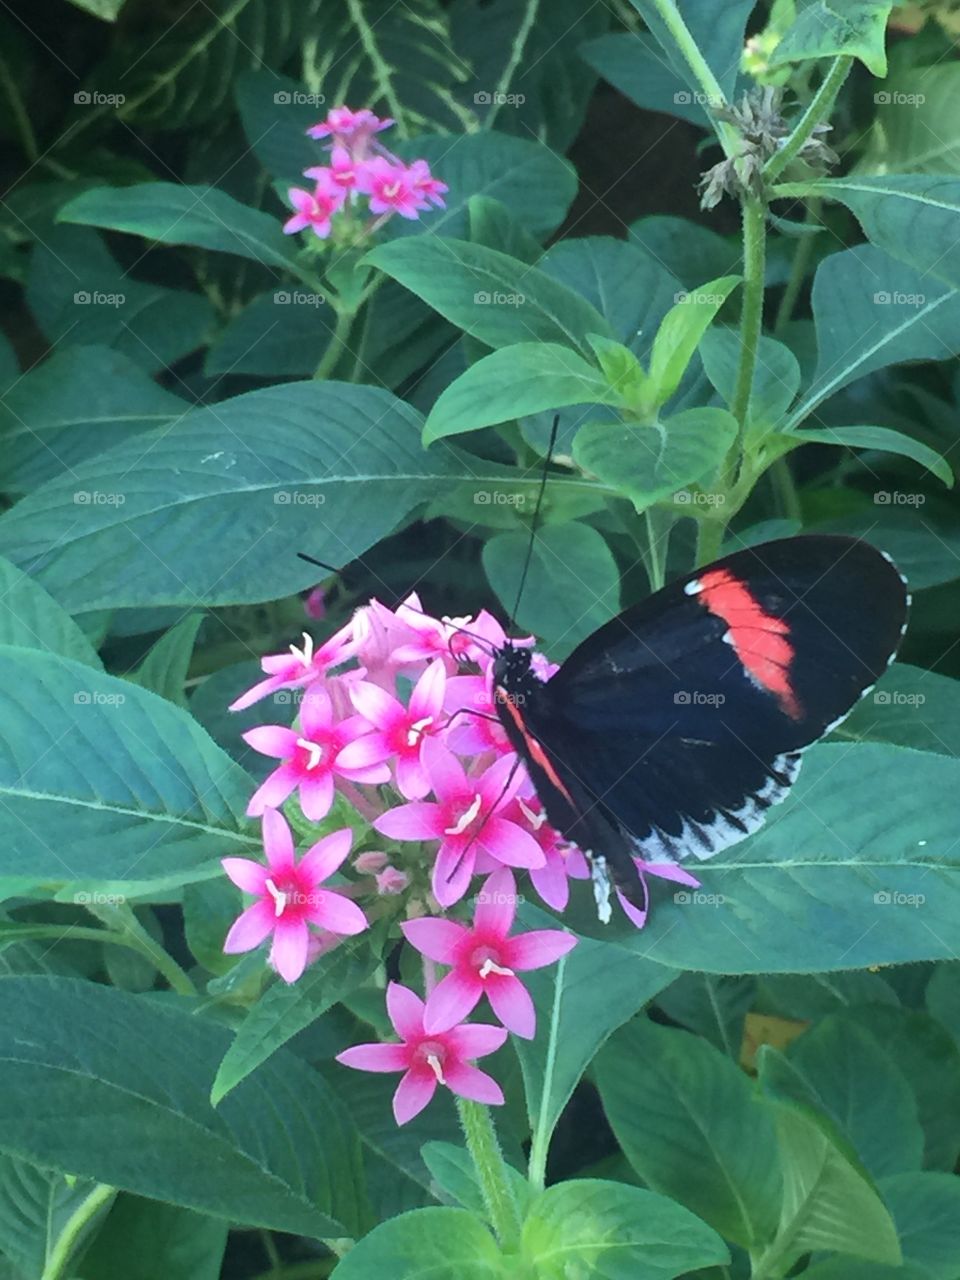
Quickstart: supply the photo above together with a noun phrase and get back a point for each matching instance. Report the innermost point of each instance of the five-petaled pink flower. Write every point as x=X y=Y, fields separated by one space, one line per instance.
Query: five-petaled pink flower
x=311 y=758
x=290 y=899
x=355 y=128
x=429 y=1059
x=299 y=666
x=399 y=731
x=465 y=819
x=485 y=960
x=314 y=209
x=426 y=185
x=343 y=170
x=391 y=188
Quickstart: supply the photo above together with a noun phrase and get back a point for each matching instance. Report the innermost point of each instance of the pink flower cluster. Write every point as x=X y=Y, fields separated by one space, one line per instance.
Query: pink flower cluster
x=396 y=714
x=360 y=166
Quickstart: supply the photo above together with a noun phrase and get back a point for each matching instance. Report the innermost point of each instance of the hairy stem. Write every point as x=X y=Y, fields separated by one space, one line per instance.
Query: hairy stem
x=751 y=312
x=818 y=110
x=709 y=85
x=491 y=1171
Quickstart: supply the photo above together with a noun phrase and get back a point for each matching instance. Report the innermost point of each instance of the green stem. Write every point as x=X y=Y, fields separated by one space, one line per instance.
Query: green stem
x=141 y=941
x=820 y=107
x=709 y=540
x=690 y=50
x=21 y=117
x=338 y=343
x=657 y=549
x=751 y=311
x=491 y=1171
x=516 y=53
x=798 y=271
x=785 y=490
x=59 y=1260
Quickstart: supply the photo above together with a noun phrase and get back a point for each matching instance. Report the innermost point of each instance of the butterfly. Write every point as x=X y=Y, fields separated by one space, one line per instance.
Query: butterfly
x=670 y=731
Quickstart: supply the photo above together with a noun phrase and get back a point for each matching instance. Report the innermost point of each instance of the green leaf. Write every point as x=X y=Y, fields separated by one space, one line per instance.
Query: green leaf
x=845 y=1268
x=776 y=378
x=875 y=312
x=909 y=133
x=210 y=483
x=880 y=438
x=824 y=29
x=718 y=33
x=489 y=295
x=284 y=1010
x=942 y=997
x=79 y=294
x=75 y=405
x=276 y=112
x=36 y=1205
x=912 y=216
x=621 y=368
x=713 y=1007
x=656 y=462
x=599 y=1230
x=146 y=1240
x=107 y=10
x=164 y=669
x=32 y=619
x=680 y=332
x=525 y=378
x=680 y=1110
x=281 y=1154
x=692 y=252
x=452 y=1168
x=808 y=997
x=926 y=1209
x=848 y=872
x=926 y=550
x=492 y=224
x=427 y=1244
x=633 y=63
x=573 y=585
x=104 y=783
x=178 y=214
x=828 y=1202
x=284 y=332
x=842 y=1070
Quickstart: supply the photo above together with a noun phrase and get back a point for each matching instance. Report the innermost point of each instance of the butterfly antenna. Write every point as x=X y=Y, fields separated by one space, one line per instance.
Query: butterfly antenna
x=302 y=555
x=535 y=524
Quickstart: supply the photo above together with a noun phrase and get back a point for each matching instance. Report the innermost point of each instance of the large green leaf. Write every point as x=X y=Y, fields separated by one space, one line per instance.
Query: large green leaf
x=427 y=1244
x=276 y=112
x=281 y=1153
x=926 y=1209
x=489 y=295
x=32 y=619
x=213 y=509
x=573 y=585
x=147 y=1240
x=178 y=214
x=914 y=127
x=656 y=462
x=74 y=406
x=633 y=63
x=524 y=378
x=36 y=1208
x=912 y=216
x=680 y=1110
x=599 y=1230
x=284 y=332
x=881 y=439
x=925 y=548
x=103 y=782
x=871 y=311
x=718 y=32
x=680 y=332
x=824 y=29
x=714 y=1007
x=857 y=867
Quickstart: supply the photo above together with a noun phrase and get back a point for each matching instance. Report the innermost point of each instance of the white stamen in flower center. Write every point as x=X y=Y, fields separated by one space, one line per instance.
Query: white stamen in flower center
x=314 y=749
x=278 y=896
x=433 y=1062
x=489 y=967
x=465 y=819
x=416 y=729
x=305 y=655
x=536 y=820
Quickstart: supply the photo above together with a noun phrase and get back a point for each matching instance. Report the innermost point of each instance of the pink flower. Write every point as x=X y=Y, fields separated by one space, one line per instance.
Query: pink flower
x=378 y=632
x=465 y=819
x=350 y=127
x=299 y=666
x=428 y=1059
x=426 y=185
x=314 y=210
x=311 y=758
x=666 y=871
x=431 y=637
x=474 y=725
x=562 y=861
x=290 y=897
x=485 y=960
x=343 y=170
x=391 y=188
x=399 y=731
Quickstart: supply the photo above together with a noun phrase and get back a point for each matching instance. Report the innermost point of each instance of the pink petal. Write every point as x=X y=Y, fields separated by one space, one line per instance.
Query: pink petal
x=250 y=928
x=338 y=914
x=550 y=881
x=277 y=840
x=538 y=948
x=412 y=780
x=496 y=904
x=255 y=693
x=475 y=1039
x=509 y=843
x=427 y=696
x=406 y=1010
x=376 y=1057
x=316 y=712
x=413 y=1093
x=634 y=914
x=291 y=946
x=451 y=1000
x=471 y=1082
x=501 y=782
x=411 y=822
x=373 y=748
x=274 y=790
x=375 y=704
x=510 y=1001
x=272 y=740
x=444 y=770
x=452 y=871
x=435 y=938
x=316 y=794
x=327 y=856
x=295 y=224
x=246 y=875
x=667 y=871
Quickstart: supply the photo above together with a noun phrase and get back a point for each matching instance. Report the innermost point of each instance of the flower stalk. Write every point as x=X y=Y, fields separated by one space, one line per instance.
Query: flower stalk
x=481 y=1138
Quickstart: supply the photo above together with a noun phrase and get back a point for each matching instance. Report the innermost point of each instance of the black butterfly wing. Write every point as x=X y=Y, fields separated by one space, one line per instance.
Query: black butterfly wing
x=676 y=725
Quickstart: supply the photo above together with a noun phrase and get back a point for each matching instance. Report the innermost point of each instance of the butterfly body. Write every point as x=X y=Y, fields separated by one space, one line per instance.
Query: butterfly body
x=669 y=732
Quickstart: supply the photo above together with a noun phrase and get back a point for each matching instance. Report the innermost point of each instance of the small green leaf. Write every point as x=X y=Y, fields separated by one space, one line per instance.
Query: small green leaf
x=426 y=1244
x=622 y=370
x=453 y=1169
x=492 y=224
x=776 y=377
x=680 y=332
x=824 y=29
x=164 y=669
x=882 y=438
